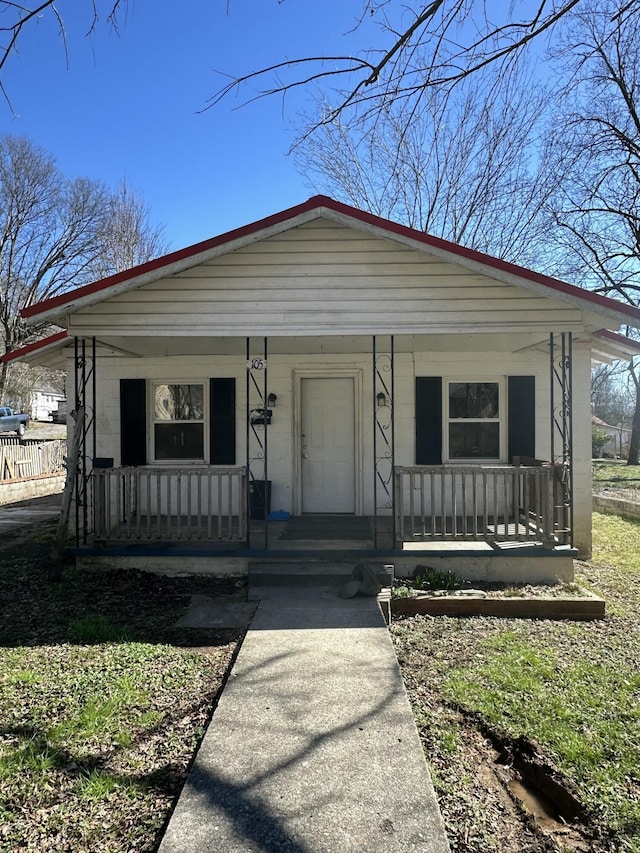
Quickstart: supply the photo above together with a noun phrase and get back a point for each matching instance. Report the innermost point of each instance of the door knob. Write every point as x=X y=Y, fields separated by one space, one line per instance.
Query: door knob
x=305 y=455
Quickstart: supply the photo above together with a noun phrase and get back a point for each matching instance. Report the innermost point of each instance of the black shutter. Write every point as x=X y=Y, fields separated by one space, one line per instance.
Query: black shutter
x=428 y=420
x=222 y=421
x=133 y=422
x=522 y=416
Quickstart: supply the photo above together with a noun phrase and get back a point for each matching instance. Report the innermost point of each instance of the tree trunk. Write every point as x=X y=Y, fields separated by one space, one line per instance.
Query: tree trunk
x=634 y=446
x=4 y=370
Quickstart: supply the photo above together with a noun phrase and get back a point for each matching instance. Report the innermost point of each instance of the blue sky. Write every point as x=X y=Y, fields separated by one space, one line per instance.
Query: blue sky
x=128 y=106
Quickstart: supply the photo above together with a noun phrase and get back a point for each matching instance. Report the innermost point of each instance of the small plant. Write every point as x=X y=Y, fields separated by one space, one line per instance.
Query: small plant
x=97 y=785
x=512 y=592
x=96 y=628
x=426 y=577
x=402 y=591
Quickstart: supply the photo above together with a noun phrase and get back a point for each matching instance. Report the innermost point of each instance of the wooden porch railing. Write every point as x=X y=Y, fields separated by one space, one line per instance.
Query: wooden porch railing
x=486 y=503
x=169 y=504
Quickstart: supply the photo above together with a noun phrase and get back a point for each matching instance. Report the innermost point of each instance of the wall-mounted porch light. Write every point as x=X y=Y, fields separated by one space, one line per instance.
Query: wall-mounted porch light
x=381 y=398
x=271 y=400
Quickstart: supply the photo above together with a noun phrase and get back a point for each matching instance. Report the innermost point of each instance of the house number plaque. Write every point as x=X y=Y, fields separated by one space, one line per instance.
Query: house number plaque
x=257 y=363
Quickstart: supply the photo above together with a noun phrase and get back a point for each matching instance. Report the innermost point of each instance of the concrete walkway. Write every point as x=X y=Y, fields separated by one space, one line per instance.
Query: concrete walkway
x=23 y=515
x=313 y=748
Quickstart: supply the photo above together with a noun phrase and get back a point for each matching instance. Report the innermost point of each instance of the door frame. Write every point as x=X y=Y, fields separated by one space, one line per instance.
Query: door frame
x=327 y=373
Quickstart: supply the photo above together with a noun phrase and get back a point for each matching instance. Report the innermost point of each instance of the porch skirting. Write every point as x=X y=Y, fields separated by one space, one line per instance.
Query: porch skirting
x=472 y=561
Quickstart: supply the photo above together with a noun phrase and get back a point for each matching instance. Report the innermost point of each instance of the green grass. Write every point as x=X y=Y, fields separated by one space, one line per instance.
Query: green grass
x=609 y=471
x=573 y=688
x=616 y=543
x=94 y=739
x=97 y=628
x=583 y=712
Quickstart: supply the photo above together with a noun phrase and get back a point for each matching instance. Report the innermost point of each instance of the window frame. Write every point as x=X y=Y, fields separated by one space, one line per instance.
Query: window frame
x=192 y=460
x=501 y=420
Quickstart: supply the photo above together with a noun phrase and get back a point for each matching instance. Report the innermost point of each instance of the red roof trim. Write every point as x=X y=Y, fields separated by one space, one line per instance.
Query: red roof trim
x=616 y=338
x=35 y=346
x=314 y=203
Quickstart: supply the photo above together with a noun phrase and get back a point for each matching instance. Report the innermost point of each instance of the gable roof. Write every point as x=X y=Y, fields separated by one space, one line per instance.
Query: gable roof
x=52 y=342
x=313 y=208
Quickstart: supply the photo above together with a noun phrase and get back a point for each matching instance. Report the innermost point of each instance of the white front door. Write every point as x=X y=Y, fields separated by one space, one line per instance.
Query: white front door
x=328 y=445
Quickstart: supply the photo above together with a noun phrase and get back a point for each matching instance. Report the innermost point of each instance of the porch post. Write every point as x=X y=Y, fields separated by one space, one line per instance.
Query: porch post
x=85 y=399
x=383 y=436
x=561 y=395
x=257 y=420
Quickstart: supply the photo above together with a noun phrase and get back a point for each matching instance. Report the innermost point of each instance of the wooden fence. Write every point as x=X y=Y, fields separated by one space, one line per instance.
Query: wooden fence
x=22 y=460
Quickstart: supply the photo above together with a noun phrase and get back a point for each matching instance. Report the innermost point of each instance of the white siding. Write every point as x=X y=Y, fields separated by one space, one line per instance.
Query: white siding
x=322 y=278
x=470 y=366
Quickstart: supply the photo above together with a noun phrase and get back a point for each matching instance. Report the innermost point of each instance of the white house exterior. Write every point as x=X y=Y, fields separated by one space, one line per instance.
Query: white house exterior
x=619 y=438
x=43 y=402
x=362 y=369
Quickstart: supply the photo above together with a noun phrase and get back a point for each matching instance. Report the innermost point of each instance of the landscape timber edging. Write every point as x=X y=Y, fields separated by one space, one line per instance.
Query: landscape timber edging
x=579 y=608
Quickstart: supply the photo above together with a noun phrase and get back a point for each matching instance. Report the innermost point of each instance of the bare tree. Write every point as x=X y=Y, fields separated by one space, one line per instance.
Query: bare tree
x=127 y=236
x=597 y=143
x=48 y=228
x=422 y=46
x=56 y=233
x=16 y=18
x=613 y=393
x=23 y=381
x=463 y=166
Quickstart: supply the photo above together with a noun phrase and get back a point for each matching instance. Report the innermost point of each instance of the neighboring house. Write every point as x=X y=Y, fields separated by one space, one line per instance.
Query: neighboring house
x=45 y=401
x=620 y=438
x=332 y=366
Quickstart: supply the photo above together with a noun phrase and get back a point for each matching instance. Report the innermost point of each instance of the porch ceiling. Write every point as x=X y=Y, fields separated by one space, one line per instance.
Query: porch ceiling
x=149 y=346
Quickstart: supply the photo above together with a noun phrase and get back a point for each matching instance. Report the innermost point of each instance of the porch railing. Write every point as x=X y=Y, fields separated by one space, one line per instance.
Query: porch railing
x=168 y=504
x=487 y=503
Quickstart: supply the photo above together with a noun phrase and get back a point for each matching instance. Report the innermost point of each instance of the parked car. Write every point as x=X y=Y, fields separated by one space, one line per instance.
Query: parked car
x=59 y=415
x=11 y=421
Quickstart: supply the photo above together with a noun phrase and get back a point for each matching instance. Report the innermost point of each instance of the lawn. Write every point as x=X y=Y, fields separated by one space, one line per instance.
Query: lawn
x=572 y=688
x=103 y=701
x=616 y=479
x=102 y=704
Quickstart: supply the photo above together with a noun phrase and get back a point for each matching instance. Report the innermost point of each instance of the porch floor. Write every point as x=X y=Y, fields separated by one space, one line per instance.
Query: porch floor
x=311 y=535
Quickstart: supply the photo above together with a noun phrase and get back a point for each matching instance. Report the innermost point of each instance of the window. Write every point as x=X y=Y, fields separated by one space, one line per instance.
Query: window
x=178 y=415
x=473 y=416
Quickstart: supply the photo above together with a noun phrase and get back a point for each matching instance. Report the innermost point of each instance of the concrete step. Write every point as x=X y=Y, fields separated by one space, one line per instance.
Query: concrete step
x=267 y=577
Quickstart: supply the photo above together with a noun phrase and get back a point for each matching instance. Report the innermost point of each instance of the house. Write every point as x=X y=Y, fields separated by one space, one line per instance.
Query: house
x=44 y=402
x=325 y=383
x=619 y=438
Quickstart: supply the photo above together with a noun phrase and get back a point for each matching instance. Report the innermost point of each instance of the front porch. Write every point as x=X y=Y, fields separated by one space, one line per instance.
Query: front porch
x=484 y=522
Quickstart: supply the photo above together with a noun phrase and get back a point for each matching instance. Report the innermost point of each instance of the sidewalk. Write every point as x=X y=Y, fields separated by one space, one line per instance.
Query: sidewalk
x=23 y=515
x=313 y=748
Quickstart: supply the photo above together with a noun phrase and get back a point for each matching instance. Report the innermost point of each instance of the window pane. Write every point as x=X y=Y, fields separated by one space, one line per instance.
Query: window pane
x=179 y=441
x=474 y=441
x=473 y=400
x=179 y=403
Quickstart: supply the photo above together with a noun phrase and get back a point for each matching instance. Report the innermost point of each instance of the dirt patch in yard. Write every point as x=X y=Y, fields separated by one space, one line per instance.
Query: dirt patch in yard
x=38 y=611
x=497 y=794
